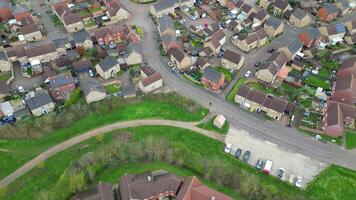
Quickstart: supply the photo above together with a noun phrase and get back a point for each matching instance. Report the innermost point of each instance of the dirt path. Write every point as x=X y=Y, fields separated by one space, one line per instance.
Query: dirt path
x=87 y=135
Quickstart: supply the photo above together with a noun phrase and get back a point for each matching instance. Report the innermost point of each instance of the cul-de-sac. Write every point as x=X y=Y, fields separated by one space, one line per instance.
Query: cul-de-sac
x=177 y=99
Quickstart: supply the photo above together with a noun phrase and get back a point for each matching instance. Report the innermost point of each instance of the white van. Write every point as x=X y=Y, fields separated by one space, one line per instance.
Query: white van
x=268 y=166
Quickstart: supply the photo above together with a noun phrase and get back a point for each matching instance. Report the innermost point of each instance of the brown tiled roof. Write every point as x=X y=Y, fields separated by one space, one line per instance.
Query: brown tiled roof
x=281 y=4
x=345 y=83
x=40 y=50
x=177 y=53
x=279 y=58
x=151 y=79
x=29 y=29
x=251 y=38
x=71 y=18
x=218 y=35
x=148 y=70
x=278 y=104
x=82 y=64
x=349 y=62
x=260 y=15
x=243 y=91
x=246 y=8
x=232 y=56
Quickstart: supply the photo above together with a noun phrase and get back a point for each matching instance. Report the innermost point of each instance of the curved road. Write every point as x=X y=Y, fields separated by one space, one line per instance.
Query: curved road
x=90 y=134
x=287 y=138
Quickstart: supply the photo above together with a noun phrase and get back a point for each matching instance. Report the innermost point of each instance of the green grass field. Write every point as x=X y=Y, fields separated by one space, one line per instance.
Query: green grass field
x=350 y=138
x=209 y=125
x=20 y=151
x=231 y=95
x=112 y=89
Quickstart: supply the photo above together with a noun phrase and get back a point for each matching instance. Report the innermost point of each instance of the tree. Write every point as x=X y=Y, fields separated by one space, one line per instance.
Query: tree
x=76 y=182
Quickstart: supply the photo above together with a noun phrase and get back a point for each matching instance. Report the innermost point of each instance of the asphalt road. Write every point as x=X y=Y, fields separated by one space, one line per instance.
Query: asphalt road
x=285 y=137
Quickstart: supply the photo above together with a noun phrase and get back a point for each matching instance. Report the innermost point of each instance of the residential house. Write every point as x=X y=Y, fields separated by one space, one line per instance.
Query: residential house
x=108 y=67
x=43 y=53
x=62 y=45
x=350 y=39
x=5 y=64
x=292 y=49
x=151 y=81
x=92 y=89
x=116 y=11
x=6 y=109
x=134 y=54
x=111 y=34
x=343 y=6
x=310 y=38
x=215 y=41
x=333 y=34
x=39 y=102
x=212 y=78
x=280 y=7
x=273 y=26
x=20 y=12
x=300 y=18
x=260 y=18
x=344 y=89
x=166 y=7
x=102 y=191
x=5 y=11
x=72 y=23
x=310 y=52
x=83 y=39
x=82 y=66
x=179 y=58
x=264 y=4
x=246 y=10
x=31 y=32
x=328 y=12
x=202 y=63
x=253 y=40
x=255 y=100
x=61 y=86
x=169 y=41
x=16 y=54
x=232 y=60
x=351 y=27
x=166 y=26
x=271 y=68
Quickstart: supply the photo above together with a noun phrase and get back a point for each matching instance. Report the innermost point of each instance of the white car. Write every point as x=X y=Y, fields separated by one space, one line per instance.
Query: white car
x=299 y=181
x=228 y=148
x=91 y=73
x=248 y=74
x=170 y=64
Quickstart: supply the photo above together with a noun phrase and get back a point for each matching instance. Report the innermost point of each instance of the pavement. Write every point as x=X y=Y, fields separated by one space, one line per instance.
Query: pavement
x=293 y=163
x=90 y=134
x=285 y=137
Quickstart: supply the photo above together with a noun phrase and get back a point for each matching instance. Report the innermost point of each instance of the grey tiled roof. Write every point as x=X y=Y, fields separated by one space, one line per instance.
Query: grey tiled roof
x=88 y=85
x=165 y=22
x=61 y=42
x=295 y=46
x=41 y=98
x=108 y=63
x=164 y=4
x=81 y=36
x=212 y=75
x=273 y=21
x=3 y=55
x=299 y=13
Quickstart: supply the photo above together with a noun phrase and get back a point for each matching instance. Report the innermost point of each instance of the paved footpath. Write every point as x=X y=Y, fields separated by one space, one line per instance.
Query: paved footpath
x=105 y=129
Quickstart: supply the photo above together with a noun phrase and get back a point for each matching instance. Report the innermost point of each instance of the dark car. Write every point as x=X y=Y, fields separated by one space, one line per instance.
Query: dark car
x=258 y=63
x=247 y=156
x=280 y=173
x=8 y=120
x=238 y=153
x=259 y=164
x=271 y=50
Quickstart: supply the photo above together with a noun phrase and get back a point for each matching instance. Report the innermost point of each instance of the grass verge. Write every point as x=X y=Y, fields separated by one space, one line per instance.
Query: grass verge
x=231 y=95
x=350 y=138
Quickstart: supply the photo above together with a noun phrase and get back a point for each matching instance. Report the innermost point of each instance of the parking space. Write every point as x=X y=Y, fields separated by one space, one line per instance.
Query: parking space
x=294 y=164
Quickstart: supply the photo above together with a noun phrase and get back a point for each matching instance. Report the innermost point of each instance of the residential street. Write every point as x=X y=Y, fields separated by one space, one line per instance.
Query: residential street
x=285 y=137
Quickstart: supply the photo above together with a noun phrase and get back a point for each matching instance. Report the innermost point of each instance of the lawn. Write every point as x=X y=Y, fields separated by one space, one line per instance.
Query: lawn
x=20 y=151
x=228 y=75
x=84 y=13
x=350 y=137
x=315 y=81
x=5 y=76
x=56 y=21
x=74 y=98
x=334 y=183
x=231 y=95
x=324 y=73
x=112 y=89
x=209 y=125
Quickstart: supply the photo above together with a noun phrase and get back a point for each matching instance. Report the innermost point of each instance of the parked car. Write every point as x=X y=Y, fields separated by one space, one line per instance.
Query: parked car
x=280 y=173
x=221 y=54
x=248 y=74
x=267 y=166
x=259 y=164
x=299 y=181
x=170 y=64
x=258 y=63
x=228 y=148
x=8 y=120
x=238 y=153
x=90 y=73
x=247 y=156
x=175 y=69
x=271 y=50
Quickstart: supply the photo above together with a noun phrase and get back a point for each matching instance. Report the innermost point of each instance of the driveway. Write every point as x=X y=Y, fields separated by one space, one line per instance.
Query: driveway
x=19 y=80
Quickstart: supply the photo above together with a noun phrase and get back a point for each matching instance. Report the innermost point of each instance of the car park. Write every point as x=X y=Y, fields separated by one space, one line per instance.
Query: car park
x=238 y=153
x=298 y=182
x=280 y=173
x=228 y=148
x=247 y=156
x=267 y=166
x=248 y=74
x=259 y=164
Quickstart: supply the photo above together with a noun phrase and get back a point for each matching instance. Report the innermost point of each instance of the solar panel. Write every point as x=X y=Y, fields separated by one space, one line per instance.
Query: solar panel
x=340 y=28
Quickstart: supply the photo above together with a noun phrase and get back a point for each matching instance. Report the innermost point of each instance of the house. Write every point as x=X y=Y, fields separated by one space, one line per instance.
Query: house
x=169 y=41
x=39 y=103
x=310 y=38
x=270 y=69
x=260 y=18
x=111 y=34
x=255 y=100
x=253 y=40
x=310 y=52
x=61 y=45
x=5 y=64
x=61 y=86
x=166 y=7
x=280 y=7
x=92 y=89
x=292 y=49
x=19 y=12
x=219 y=121
x=102 y=191
x=82 y=39
x=43 y=53
x=246 y=10
x=300 y=18
x=351 y=26
x=128 y=91
x=232 y=60
x=179 y=58
x=273 y=26
x=343 y=6
x=82 y=66
x=215 y=41
x=333 y=34
x=212 y=78
x=116 y=12
x=166 y=26
x=6 y=109
x=5 y=11
x=134 y=54
x=328 y=12
x=16 y=54
x=350 y=39
x=344 y=89
x=108 y=67
x=151 y=81
x=72 y=23
x=31 y=32
x=264 y=4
